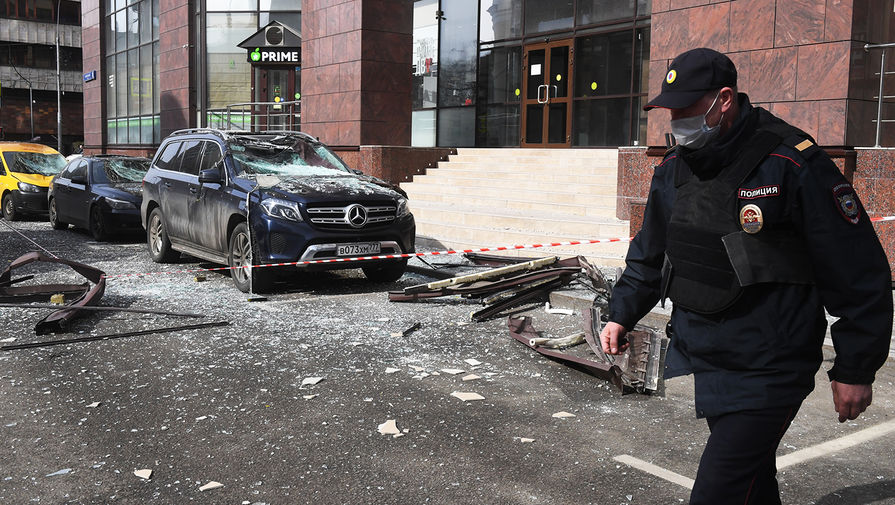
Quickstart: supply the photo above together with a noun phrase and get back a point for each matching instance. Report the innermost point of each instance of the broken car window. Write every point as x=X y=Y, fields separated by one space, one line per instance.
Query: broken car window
x=124 y=170
x=286 y=156
x=34 y=163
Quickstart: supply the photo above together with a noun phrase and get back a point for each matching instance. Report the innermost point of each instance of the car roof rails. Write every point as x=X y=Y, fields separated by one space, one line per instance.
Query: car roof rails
x=188 y=131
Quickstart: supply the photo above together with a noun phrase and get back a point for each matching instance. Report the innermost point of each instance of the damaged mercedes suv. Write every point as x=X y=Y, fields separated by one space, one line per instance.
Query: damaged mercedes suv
x=246 y=198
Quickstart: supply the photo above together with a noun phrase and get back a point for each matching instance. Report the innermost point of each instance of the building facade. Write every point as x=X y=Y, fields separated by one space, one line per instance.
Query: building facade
x=28 y=77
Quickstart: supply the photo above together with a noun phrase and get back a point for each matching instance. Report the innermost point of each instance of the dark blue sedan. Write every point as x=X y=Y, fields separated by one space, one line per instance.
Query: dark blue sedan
x=101 y=193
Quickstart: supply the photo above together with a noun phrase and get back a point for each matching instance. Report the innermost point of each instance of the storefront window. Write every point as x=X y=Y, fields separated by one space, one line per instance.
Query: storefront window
x=131 y=66
x=498 y=115
x=500 y=19
x=425 y=54
x=600 y=11
x=457 y=49
x=229 y=74
x=543 y=16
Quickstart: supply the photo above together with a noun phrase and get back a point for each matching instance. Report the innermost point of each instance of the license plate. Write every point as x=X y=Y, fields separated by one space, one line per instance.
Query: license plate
x=358 y=249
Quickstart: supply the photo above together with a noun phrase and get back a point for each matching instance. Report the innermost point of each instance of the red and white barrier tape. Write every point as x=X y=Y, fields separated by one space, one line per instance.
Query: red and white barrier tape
x=408 y=255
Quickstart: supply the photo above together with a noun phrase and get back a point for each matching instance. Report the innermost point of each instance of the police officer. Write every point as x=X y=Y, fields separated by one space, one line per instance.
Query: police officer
x=751 y=230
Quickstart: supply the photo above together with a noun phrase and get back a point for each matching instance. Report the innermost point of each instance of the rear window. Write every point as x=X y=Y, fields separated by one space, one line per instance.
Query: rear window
x=34 y=163
x=115 y=171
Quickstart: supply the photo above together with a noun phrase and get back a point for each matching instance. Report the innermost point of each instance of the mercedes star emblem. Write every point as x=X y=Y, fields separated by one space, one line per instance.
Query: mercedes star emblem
x=356 y=215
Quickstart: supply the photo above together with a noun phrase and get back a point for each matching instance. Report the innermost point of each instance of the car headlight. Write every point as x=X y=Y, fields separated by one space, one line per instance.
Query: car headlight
x=283 y=209
x=119 y=204
x=403 y=208
x=24 y=187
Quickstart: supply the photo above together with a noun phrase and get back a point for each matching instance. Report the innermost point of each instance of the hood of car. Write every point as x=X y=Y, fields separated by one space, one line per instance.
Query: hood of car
x=35 y=179
x=130 y=191
x=328 y=188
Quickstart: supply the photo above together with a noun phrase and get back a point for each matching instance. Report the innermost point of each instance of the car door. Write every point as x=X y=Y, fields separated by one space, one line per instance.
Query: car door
x=174 y=191
x=208 y=209
x=69 y=193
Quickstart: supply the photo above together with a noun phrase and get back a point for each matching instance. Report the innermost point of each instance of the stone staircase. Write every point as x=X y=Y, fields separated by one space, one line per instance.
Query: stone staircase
x=496 y=197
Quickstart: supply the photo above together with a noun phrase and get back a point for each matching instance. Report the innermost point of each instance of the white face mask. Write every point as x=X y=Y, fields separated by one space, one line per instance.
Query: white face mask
x=693 y=132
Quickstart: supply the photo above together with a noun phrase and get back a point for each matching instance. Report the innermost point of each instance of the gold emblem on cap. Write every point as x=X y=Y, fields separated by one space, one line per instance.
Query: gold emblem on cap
x=751 y=218
x=671 y=76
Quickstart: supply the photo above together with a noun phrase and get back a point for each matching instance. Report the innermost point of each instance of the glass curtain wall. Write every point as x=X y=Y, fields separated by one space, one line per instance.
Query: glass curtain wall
x=611 y=43
x=132 y=70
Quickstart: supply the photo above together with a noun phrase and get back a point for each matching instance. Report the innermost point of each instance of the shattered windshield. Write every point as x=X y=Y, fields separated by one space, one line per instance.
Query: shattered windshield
x=285 y=156
x=34 y=163
x=115 y=171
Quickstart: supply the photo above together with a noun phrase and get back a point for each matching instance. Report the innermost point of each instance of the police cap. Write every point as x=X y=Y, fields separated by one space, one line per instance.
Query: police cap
x=691 y=75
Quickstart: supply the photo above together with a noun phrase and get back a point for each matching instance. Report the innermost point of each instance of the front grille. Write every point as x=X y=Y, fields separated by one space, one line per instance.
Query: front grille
x=278 y=243
x=339 y=217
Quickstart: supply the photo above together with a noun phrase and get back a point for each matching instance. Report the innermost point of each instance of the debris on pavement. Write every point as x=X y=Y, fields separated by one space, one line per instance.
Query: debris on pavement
x=145 y=474
x=557 y=343
x=563 y=414
x=471 y=377
x=310 y=381
x=389 y=427
x=526 y=440
x=410 y=329
x=64 y=471
x=472 y=362
x=392 y=370
x=112 y=336
x=211 y=485
x=310 y=397
x=452 y=371
x=94 y=405
x=467 y=397
x=552 y=310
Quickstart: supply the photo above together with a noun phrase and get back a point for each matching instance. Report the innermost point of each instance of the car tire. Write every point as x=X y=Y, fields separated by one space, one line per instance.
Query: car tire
x=97 y=224
x=157 y=239
x=241 y=251
x=387 y=272
x=54 y=216
x=9 y=208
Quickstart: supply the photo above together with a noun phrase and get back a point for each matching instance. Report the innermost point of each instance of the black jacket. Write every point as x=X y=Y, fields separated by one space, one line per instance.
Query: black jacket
x=765 y=349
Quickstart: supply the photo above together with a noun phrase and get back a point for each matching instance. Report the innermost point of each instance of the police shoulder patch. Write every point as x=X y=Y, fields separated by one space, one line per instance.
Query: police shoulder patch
x=846 y=201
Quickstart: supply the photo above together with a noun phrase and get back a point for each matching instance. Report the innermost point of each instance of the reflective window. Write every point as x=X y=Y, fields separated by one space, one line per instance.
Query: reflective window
x=599 y=11
x=229 y=74
x=597 y=122
x=500 y=19
x=456 y=127
x=498 y=114
x=190 y=156
x=131 y=69
x=541 y=16
x=422 y=133
x=290 y=19
x=425 y=54
x=458 y=47
x=273 y=5
x=164 y=159
x=603 y=64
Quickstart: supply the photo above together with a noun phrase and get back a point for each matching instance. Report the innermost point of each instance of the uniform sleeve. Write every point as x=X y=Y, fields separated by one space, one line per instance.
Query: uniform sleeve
x=637 y=290
x=851 y=269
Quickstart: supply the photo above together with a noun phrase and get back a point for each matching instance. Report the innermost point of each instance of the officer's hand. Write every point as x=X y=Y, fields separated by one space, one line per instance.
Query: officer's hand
x=612 y=334
x=851 y=399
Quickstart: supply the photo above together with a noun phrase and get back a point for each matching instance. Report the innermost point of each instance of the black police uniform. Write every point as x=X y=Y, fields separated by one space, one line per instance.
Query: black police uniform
x=752 y=253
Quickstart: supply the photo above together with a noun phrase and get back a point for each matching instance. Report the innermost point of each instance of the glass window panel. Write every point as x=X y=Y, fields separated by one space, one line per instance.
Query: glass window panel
x=111 y=132
x=120 y=30
x=422 y=133
x=146 y=82
x=121 y=83
x=109 y=33
x=641 y=60
x=133 y=86
x=602 y=122
x=498 y=126
x=229 y=74
x=145 y=21
x=133 y=26
x=110 y=6
x=155 y=76
x=501 y=19
x=500 y=75
x=156 y=129
x=165 y=159
x=146 y=130
x=111 y=110
x=534 y=123
x=458 y=47
x=290 y=19
x=644 y=7
x=603 y=64
x=541 y=16
x=599 y=11
x=456 y=127
x=190 y=154
x=119 y=4
x=425 y=55
x=639 y=126
x=155 y=16
x=536 y=69
x=273 y=5
x=231 y=5
x=133 y=131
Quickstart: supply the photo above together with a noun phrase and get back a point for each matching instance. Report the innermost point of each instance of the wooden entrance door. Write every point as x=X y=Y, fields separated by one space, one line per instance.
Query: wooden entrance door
x=547 y=94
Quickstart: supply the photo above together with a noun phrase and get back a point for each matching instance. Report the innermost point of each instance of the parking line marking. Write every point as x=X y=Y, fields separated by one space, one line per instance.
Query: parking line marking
x=658 y=471
x=793 y=458
x=838 y=444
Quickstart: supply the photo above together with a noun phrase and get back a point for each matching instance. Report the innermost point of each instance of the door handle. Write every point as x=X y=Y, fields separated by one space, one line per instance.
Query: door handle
x=546 y=94
x=555 y=90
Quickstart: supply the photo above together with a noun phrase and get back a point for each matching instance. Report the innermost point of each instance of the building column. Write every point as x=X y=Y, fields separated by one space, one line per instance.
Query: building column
x=177 y=89
x=356 y=61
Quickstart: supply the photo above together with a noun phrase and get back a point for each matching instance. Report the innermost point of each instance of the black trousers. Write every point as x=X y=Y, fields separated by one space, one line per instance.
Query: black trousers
x=739 y=463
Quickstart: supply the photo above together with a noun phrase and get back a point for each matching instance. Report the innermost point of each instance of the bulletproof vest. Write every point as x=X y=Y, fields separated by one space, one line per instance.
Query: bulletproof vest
x=709 y=258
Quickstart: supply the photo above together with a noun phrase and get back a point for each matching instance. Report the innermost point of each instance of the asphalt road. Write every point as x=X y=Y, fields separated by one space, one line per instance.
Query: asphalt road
x=228 y=404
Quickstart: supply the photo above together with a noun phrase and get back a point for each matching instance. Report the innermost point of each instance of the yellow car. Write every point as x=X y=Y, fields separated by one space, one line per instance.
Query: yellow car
x=25 y=174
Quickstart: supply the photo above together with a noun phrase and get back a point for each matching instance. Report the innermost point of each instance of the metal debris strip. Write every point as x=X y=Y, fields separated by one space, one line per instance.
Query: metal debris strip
x=508 y=286
x=56 y=321
x=113 y=336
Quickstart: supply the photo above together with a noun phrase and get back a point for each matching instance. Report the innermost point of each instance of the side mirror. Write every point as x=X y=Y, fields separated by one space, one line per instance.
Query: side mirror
x=210 y=176
x=79 y=179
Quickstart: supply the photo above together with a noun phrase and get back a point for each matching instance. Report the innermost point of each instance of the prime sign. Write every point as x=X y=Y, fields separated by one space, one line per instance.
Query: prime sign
x=279 y=55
